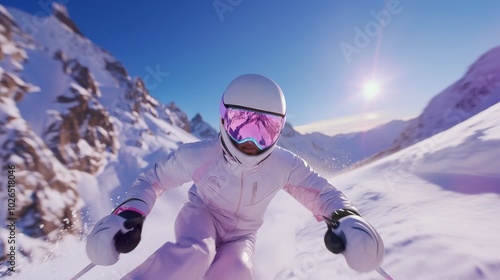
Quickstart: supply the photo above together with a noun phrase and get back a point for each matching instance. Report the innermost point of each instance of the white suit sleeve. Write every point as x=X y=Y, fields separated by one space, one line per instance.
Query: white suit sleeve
x=316 y=193
x=169 y=173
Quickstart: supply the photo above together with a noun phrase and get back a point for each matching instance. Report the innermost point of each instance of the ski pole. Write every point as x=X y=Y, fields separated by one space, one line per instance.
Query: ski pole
x=83 y=271
x=384 y=274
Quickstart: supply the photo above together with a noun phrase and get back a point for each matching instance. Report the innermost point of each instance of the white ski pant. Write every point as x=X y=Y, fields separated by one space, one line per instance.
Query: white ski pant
x=197 y=254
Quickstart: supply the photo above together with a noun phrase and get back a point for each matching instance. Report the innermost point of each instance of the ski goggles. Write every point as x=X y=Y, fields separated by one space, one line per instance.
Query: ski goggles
x=244 y=125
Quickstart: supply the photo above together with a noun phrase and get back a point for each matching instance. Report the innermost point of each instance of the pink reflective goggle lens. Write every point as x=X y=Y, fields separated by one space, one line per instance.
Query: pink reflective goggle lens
x=263 y=129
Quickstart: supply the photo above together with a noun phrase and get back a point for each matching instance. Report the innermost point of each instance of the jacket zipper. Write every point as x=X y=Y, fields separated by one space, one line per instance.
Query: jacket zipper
x=241 y=194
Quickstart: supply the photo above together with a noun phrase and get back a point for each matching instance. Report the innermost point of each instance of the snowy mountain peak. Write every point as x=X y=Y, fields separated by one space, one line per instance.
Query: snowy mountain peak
x=477 y=90
x=201 y=129
x=485 y=64
x=61 y=13
x=288 y=130
x=70 y=116
x=197 y=118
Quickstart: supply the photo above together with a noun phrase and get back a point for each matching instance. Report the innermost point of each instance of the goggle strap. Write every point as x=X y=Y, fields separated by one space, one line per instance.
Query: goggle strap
x=251 y=109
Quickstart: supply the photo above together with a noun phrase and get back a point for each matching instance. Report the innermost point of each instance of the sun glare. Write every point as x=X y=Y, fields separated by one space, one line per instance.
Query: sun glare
x=371 y=89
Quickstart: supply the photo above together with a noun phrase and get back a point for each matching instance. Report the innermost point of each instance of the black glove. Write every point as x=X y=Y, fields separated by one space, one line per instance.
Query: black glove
x=358 y=241
x=333 y=242
x=126 y=242
x=112 y=235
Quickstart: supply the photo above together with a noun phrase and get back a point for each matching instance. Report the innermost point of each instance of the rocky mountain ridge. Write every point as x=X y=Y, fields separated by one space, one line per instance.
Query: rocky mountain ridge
x=68 y=108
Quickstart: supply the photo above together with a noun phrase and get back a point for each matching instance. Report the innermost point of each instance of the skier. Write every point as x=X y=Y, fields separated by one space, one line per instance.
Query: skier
x=235 y=178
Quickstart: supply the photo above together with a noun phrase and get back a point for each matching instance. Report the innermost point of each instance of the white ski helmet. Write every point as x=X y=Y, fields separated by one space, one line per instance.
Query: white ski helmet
x=263 y=106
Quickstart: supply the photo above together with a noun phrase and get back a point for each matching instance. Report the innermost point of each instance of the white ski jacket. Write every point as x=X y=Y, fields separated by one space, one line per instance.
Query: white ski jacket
x=236 y=197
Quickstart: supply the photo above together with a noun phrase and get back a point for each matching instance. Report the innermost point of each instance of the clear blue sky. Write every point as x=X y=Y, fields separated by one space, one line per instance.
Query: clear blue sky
x=313 y=49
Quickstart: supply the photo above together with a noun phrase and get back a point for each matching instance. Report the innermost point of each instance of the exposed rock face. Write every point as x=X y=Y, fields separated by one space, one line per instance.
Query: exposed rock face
x=175 y=116
x=81 y=134
x=74 y=116
x=117 y=70
x=201 y=129
x=61 y=13
x=47 y=202
x=10 y=40
x=139 y=98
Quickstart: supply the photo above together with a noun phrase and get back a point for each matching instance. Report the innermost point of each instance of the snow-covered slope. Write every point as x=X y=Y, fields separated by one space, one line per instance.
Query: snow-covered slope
x=41 y=182
x=74 y=124
x=435 y=204
x=79 y=129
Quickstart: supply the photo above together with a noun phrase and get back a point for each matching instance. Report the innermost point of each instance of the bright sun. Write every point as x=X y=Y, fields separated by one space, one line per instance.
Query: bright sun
x=371 y=89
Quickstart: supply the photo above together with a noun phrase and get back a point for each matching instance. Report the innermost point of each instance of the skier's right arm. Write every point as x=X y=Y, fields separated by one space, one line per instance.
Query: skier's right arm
x=173 y=171
x=120 y=232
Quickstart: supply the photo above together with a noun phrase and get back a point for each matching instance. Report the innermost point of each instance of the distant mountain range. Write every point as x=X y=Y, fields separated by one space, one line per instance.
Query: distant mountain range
x=476 y=91
x=77 y=126
x=335 y=153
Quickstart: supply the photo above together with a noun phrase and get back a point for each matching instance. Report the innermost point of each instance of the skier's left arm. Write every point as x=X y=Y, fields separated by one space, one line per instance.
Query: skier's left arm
x=314 y=192
x=348 y=233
